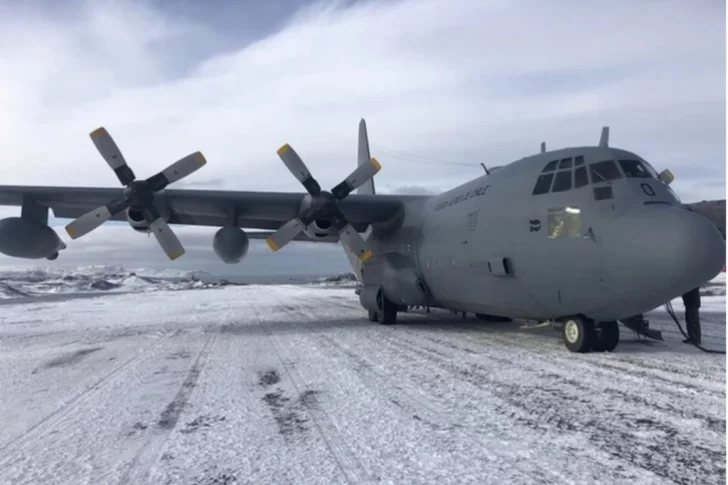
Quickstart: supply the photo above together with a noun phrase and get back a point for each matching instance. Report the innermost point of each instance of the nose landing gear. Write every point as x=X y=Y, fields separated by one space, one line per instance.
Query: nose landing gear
x=581 y=335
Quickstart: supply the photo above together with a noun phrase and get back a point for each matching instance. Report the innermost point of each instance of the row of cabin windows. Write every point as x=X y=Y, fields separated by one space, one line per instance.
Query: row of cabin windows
x=559 y=176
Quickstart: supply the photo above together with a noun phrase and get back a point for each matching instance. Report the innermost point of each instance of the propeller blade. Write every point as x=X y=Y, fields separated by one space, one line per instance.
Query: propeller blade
x=285 y=234
x=111 y=153
x=95 y=218
x=178 y=170
x=298 y=169
x=354 y=243
x=166 y=238
x=357 y=178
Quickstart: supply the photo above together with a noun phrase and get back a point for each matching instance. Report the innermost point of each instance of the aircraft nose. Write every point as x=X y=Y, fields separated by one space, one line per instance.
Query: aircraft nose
x=659 y=252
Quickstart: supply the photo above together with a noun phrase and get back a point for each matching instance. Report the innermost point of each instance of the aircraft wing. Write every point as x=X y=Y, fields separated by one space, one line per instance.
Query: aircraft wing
x=256 y=210
x=300 y=237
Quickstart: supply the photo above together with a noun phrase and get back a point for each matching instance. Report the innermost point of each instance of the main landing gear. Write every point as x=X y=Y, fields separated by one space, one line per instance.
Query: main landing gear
x=583 y=335
x=387 y=313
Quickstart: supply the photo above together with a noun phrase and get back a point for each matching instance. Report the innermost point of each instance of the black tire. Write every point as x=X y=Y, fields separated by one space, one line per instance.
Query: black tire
x=373 y=316
x=53 y=256
x=579 y=334
x=388 y=316
x=388 y=313
x=607 y=337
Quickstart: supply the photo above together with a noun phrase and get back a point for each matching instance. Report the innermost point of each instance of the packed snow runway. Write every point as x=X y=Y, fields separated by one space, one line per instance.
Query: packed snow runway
x=292 y=384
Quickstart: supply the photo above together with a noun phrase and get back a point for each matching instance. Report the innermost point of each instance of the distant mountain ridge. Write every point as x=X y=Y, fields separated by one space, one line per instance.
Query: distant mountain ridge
x=714 y=210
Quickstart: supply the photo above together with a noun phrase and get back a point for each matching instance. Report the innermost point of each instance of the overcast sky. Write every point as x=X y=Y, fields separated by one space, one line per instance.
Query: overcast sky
x=438 y=81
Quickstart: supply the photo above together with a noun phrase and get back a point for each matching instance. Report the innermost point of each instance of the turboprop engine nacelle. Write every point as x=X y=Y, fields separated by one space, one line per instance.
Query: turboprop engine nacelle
x=23 y=238
x=136 y=220
x=230 y=244
x=320 y=229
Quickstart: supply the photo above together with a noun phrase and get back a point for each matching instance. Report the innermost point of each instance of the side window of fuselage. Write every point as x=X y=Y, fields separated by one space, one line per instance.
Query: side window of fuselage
x=564 y=222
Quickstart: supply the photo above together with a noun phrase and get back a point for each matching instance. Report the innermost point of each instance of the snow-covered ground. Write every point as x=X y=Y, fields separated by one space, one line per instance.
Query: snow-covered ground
x=292 y=384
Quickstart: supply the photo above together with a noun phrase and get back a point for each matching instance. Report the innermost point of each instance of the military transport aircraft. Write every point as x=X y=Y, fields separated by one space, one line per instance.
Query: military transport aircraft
x=584 y=236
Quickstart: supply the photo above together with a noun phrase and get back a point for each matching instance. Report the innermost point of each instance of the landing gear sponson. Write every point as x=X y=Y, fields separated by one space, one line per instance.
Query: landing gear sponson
x=581 y=334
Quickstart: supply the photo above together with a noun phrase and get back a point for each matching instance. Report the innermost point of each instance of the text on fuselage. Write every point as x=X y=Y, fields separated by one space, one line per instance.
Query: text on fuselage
x=462 y=197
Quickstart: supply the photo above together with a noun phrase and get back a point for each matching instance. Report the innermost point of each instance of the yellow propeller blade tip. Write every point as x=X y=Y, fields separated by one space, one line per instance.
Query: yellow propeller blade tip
x=366 y=256
x=283 y=149
x=176 y=254
x=71 y=232
x=201 y=158
x=272 y=244
x=375 y=163
x=98 y=131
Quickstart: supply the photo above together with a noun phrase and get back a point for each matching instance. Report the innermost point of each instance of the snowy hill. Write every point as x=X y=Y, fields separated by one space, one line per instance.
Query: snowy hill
x=90 y=279
x=20 y=283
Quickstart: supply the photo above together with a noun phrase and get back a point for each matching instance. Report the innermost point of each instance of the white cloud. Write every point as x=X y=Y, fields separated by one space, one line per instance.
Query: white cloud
x=483 y=82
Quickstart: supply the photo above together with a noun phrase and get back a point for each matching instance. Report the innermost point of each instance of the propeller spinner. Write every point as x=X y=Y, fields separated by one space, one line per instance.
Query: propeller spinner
x=138 y=194
x=324 y=205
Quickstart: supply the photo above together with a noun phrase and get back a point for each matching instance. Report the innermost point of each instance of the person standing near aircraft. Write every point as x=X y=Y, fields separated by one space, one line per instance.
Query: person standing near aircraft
x=691 y=300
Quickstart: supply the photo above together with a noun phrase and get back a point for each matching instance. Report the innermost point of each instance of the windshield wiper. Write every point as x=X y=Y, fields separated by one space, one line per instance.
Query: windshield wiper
x=596 y=172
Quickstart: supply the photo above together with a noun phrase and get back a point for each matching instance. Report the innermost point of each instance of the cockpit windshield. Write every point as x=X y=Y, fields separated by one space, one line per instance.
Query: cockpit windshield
x=651 y=170
x=604 y=171
x=634 y=169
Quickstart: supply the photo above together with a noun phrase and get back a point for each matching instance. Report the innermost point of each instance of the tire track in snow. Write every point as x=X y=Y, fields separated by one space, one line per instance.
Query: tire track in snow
x=150 y=452
x=611 y=369
x=670 y=455
x=58 y=416
x=631 y=437
x=610 y=372
x=413 y=404
x=411 y=401
x=346 y=460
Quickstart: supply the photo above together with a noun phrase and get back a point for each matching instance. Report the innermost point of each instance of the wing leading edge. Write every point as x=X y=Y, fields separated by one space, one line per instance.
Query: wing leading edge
x=254 y=210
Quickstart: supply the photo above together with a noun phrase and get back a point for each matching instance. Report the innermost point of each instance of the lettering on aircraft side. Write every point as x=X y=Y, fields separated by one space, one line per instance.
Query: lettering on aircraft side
x=462 y=197
x=535 y=225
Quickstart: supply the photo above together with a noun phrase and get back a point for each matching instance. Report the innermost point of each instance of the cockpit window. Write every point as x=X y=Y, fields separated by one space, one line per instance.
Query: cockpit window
x=551 y=166
x=578 y=160
x=565 y=163
x=562 y=182
x=650 y=169
x=604 y=171
x=543 y=184
x=634 y=169
x=580 y=177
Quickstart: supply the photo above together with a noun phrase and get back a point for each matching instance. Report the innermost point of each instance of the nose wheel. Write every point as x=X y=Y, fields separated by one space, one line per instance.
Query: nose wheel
x=584 y=335
x=578 y=334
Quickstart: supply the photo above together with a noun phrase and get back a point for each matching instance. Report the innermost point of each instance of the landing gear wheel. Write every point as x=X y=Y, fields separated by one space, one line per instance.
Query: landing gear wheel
x=388 y=313
x=607 y=337
x=373 y=316
x=579 y=334
x=53 y=256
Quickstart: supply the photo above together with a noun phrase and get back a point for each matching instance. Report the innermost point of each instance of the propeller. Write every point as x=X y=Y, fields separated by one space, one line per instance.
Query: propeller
x=324 y=205
x=138 y=194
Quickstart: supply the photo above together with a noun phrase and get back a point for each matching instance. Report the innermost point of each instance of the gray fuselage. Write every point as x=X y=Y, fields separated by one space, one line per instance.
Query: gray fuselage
x=604 y=240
